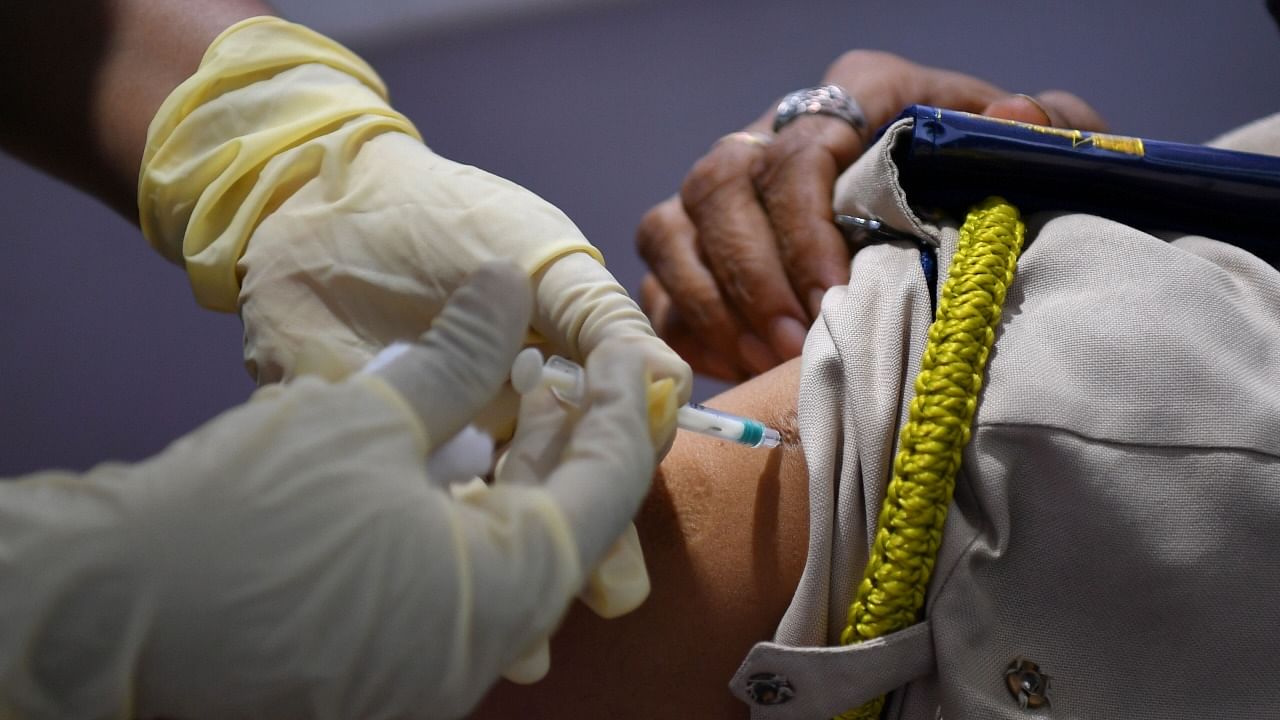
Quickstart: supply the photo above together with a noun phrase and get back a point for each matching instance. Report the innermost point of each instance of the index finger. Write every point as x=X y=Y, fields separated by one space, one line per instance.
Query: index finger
x=667 y=240
x=735 y=235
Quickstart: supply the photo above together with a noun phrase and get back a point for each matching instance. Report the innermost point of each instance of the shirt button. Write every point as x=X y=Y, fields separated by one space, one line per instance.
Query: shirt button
x=1027 y=684
x=769 y=689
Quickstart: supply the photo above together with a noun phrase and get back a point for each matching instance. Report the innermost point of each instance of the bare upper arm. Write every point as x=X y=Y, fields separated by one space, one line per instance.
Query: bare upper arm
x=725 y=533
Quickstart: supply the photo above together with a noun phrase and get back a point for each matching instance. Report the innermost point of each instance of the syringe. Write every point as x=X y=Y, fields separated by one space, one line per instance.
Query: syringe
x=566 y=380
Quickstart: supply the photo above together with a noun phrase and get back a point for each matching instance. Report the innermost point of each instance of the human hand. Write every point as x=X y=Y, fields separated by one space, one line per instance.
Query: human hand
x=741 y=257
x=293 y=193
x=620 y=583
x=548 y=451
x=294 y=554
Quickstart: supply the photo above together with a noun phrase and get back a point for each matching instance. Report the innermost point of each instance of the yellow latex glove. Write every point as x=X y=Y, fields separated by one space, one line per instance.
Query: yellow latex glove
x=291 y=191
x=620 y=583
x=292 y=557
x=289 y=188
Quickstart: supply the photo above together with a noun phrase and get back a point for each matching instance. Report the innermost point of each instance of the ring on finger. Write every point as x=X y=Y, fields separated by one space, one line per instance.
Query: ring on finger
x=827 y=99
x=757 y=139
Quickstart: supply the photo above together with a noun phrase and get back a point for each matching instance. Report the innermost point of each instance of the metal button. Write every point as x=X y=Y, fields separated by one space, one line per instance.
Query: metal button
x=1027 y=684
x=769 y=689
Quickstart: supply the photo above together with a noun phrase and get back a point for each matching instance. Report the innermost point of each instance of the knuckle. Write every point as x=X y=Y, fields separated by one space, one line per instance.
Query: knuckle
x=711 y=174
x=802 y=163
x=860 y=59
x=789 y=148
x=652 y=232
x=784 y=159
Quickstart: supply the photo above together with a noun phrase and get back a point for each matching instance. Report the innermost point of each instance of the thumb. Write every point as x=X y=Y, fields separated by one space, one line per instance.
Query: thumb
x=460 y=364
x=580 y=305
x=1054 y=108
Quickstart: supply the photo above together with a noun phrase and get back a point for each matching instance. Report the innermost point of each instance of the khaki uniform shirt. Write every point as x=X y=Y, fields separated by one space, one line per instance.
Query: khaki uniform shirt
x=1116 y=521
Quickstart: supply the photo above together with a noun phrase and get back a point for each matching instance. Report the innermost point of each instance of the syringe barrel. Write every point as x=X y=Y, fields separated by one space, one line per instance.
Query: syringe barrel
x=709 y=421
x=566 y=380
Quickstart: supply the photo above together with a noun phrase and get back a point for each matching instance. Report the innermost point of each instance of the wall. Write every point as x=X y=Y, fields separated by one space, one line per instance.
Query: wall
x=380 y=21
x=601 y=110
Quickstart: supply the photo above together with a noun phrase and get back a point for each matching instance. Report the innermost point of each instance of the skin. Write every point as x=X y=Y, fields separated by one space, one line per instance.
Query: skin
x=725 y=533
x=91 y=75
x=91 y=79
x=740 y=258
x=725 y=529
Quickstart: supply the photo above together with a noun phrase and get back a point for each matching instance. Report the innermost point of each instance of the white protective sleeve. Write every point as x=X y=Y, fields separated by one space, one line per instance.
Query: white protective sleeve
x=291 y=558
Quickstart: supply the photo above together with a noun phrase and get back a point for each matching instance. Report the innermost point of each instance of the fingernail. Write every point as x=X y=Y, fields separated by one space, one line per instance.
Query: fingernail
x=756 y=353
x=788 y=336
x=1036 y=107
x=815 y=301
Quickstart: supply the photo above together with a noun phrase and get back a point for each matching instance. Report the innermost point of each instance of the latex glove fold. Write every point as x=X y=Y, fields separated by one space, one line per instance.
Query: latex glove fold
x=282 y=179
x=291 y=558
x=290 y=189
x=547 y=441
x=620 y=582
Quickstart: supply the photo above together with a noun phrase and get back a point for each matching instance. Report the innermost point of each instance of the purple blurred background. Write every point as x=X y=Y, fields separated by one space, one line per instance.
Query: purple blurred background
x=599 y=107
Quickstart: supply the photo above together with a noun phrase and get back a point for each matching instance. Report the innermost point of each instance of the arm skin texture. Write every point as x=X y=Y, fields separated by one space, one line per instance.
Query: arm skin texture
x=725 y=534
x=82 y=80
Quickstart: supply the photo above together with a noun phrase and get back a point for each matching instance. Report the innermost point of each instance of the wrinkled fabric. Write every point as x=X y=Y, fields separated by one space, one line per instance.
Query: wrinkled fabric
x=273 y=563
x=293 y=557
x=293 y=193
x=1113 y=521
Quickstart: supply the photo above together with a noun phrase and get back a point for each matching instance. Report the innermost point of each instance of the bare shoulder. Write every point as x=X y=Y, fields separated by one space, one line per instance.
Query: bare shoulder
x=725 y=532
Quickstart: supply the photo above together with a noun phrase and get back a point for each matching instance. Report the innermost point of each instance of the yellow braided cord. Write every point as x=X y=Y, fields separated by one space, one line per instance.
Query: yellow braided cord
x=893 y=589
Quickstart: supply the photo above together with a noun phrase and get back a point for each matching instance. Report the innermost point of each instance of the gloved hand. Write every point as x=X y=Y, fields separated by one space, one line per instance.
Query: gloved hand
x=291 y=558
x=620 y=583
x=290 y=189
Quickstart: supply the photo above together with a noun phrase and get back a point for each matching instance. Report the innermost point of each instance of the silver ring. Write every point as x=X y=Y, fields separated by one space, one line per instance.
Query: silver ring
x=822 y=100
